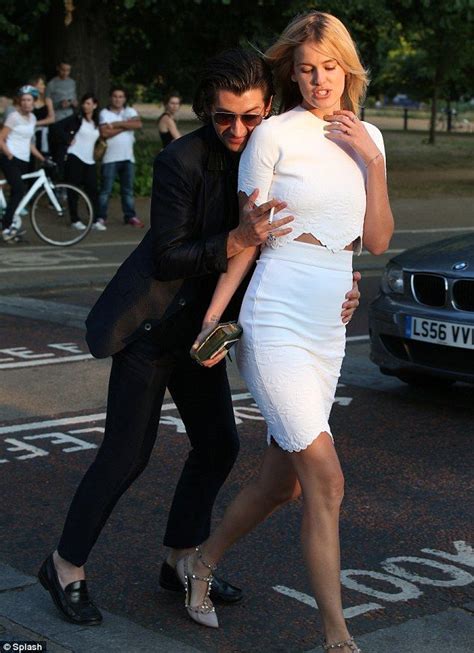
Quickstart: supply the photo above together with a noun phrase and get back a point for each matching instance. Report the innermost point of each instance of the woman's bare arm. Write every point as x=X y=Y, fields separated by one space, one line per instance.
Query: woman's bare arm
x=50 y=117
x=3 y=142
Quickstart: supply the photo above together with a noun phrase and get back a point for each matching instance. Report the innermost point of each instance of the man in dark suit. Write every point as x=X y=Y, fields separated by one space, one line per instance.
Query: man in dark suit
x=149 y=316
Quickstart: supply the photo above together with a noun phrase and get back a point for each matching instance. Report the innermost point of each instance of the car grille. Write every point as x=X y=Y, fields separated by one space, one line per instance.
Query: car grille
x=463 y=294
x=429 y=289
x=454 y=359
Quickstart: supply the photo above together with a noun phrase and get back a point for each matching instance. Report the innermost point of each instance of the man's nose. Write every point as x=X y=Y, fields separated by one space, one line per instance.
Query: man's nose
x=238 y=128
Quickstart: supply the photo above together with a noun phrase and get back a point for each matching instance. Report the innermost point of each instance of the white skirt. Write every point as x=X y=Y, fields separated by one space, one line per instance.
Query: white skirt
x=291 y=351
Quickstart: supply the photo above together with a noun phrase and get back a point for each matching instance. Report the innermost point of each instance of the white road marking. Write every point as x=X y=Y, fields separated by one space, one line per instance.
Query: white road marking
x=48 y=361
x=52 y=430
x=434 y=230
x=36 y=360
x=353 y=611
x=464 y=553
x=299 y=596
x=118 y=243
x=61 y=267
x=81 y=419
x=458 y=576
x=406 y=589
x=388 y=251
x=397 y=577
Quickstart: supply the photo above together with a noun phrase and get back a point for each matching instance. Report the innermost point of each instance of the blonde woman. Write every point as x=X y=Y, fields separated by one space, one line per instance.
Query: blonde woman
x=329 y=168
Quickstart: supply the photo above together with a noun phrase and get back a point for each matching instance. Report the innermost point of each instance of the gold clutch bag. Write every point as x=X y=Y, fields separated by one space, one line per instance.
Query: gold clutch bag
x=223 y=336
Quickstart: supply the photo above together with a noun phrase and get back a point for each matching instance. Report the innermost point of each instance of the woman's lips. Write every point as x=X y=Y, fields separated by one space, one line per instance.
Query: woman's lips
x=321 y=94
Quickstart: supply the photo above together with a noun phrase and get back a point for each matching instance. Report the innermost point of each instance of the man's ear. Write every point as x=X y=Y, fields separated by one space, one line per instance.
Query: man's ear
x=268 y=107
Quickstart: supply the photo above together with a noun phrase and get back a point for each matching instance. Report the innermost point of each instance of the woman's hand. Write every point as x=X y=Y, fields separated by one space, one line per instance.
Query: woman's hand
x=345 y=126
x=352 y=299
x=207 y=327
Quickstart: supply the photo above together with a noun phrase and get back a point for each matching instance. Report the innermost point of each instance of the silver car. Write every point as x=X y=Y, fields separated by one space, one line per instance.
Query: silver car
x=421 y=324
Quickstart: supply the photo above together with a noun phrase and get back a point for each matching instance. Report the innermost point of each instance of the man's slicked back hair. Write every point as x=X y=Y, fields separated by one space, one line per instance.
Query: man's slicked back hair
x=235 y=70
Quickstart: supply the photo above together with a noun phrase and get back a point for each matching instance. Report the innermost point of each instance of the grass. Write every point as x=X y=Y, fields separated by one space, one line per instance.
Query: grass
x=415 y=169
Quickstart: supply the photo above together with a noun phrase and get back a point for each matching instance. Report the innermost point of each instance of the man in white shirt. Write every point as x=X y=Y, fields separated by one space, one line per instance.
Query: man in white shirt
x=117 y=125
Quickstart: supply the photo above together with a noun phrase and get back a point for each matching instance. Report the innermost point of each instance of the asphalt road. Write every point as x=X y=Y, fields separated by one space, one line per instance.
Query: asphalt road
x=406 y=522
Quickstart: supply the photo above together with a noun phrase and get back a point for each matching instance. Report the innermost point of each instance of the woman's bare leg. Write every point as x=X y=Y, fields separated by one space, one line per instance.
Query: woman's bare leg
x=275 y=485
x=322 y=483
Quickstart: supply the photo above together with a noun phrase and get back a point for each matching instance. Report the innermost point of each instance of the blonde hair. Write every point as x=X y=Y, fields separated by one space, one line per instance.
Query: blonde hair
x=333 y=39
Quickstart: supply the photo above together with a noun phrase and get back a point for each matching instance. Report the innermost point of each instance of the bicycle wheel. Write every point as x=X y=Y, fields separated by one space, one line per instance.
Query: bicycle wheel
x=54 y=227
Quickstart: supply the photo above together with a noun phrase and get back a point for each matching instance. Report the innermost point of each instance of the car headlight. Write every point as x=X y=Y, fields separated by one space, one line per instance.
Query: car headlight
x=392 y=280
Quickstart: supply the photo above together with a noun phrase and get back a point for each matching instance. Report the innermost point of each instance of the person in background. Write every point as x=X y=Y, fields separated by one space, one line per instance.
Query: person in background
x=118 y=123
x=166 y=123
x=80 y=133
x=62 y=92
x=16 y=147
x=44 y=114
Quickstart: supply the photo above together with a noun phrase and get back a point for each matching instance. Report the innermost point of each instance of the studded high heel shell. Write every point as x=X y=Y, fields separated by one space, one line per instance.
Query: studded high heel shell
x=350 y=643
x=205 y=612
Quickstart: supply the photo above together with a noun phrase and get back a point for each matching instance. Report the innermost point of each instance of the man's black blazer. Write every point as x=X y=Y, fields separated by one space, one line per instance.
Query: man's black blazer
x=193 y=208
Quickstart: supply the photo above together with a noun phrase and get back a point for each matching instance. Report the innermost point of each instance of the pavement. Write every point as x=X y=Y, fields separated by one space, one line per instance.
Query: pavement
x=44 y=285
x=24 y=617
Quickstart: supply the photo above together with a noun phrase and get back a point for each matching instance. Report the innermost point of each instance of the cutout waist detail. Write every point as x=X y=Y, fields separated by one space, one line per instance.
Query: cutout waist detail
x=312 y=240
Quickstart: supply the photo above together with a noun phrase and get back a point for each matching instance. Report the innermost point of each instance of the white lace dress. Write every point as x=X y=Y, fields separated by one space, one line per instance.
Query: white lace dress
x=293 y=344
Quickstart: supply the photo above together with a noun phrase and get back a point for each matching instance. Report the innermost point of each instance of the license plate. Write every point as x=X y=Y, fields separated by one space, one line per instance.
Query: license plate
x=441 y=333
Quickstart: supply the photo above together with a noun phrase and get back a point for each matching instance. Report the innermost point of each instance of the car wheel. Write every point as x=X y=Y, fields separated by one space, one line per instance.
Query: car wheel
x=424 y=380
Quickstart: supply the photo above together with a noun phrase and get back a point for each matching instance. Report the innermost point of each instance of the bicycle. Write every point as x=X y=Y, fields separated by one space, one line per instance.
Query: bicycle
x=51 y=210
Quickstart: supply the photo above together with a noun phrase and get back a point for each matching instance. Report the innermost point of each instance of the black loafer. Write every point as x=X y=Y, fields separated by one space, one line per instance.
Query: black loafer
x=221 y=590
x=73 y=601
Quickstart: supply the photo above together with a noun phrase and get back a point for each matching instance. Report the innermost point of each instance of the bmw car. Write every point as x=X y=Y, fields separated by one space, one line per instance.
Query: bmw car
x=421 y=323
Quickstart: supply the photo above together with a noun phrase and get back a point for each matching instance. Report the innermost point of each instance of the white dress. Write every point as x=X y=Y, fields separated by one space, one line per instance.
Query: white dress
x=293 y=344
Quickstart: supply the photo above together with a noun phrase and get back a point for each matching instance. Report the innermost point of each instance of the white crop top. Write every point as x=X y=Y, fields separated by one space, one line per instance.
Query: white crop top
x=323 y=182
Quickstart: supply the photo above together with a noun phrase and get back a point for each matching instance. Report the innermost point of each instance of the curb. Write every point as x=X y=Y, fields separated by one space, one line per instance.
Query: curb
x=27 y=614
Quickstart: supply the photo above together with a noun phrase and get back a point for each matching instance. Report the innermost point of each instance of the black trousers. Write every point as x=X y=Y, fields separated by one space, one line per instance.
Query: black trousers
x=83 y=175
x=58 y=152
x=140 y=374
x=13 y=169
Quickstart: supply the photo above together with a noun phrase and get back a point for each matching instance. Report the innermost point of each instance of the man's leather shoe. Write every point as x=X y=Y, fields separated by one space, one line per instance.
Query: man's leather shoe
x=221 y=590
x=73 y=601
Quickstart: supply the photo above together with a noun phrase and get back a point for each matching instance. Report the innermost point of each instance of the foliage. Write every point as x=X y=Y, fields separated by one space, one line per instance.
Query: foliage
x=158 y=45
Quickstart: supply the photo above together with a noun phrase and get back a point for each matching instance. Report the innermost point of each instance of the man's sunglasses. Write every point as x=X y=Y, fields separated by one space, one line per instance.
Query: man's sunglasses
x=225 y=119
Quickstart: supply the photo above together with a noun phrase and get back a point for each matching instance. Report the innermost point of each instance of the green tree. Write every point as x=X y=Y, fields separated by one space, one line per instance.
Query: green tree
x=437 y=51
x=159 y=44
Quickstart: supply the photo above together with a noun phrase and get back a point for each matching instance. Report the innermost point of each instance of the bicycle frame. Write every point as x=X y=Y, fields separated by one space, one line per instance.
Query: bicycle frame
x=41 y=181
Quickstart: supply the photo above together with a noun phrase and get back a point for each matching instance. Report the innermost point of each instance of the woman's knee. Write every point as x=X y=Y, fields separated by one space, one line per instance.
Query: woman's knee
x=320 y=474
x=335 y=487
